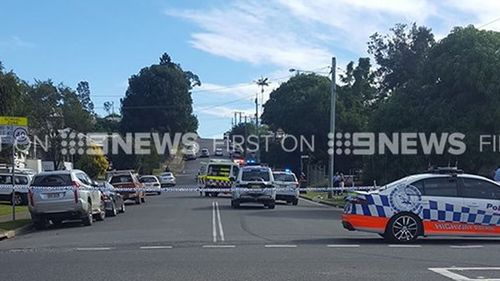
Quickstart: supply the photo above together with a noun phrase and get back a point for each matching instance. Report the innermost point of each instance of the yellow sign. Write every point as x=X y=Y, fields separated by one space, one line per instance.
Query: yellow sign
x=13 y=121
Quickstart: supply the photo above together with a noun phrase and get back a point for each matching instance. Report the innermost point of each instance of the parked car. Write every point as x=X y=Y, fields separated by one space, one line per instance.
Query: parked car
x=113 y=201
x=151 y=184
x=167 y=179
x=254 y=185
x=205 y=153
x=22 y=181
x=440 y=202
x=128 y=185
x=287 y=186
x=64 y=195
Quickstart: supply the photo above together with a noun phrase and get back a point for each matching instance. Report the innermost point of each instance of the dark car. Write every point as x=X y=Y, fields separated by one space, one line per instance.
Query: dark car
x=113 y=201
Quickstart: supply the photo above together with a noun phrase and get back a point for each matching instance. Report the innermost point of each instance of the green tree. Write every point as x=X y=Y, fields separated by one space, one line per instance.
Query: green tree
x=83 y=93
x=94 y=165
x=159 y=99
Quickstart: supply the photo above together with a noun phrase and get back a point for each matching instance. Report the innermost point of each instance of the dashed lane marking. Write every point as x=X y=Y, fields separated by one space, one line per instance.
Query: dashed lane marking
x=342 y=246
x=219 y=246
x=466 y=246
x=404 y=246
x=280 y=246
x=451 y=272
x=94 y=249
x=155 y=247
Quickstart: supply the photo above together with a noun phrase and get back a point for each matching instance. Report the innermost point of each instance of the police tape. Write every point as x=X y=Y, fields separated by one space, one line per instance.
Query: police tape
x=25 y=188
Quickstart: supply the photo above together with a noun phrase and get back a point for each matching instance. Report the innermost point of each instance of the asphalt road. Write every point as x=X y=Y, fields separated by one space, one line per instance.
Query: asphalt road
x=181 y=236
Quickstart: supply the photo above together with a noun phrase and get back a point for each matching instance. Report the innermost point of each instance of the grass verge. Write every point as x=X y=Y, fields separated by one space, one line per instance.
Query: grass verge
x=322 y=197
x=6 y=209
x=11 y=225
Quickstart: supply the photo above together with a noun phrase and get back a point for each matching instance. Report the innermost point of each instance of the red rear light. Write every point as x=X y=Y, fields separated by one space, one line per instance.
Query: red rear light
x=30 y=196
x=357 y=200
x=76 y=186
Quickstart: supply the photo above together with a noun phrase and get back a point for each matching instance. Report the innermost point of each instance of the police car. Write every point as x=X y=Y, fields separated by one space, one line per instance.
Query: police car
x=440 y=202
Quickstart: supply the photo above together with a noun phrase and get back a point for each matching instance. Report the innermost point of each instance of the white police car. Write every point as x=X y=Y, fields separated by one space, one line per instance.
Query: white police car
x=441 y=202
x=254 y=185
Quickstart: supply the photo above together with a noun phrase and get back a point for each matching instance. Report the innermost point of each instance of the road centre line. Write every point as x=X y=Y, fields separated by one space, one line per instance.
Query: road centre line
x=221 y=230
x=214 y=227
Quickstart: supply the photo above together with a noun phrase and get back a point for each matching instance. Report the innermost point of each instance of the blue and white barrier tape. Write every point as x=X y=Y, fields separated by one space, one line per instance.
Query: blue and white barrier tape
x=21 y=188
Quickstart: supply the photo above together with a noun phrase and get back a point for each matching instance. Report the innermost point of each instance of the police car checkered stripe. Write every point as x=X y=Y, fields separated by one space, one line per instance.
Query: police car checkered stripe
x=379 y=206
x=445 y=212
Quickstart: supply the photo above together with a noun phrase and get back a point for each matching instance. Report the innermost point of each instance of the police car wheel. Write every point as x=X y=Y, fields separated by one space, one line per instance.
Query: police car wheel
x=403 y=228
x=235 y=204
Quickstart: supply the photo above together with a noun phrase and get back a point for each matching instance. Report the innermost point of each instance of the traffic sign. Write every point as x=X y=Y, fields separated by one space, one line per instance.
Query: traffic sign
x=14 y=128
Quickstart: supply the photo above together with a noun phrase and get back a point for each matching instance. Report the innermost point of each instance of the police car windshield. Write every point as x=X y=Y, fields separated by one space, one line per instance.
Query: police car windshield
x=255 y=175
x=284 y=177
x=393 y=184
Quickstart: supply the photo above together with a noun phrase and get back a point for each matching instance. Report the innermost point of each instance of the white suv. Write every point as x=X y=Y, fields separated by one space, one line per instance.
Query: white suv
x=64 y=195
x=254 y=185
x=21 y=180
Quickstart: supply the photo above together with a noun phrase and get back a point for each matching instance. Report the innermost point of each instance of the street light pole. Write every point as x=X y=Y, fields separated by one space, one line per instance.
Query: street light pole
x=331 y=151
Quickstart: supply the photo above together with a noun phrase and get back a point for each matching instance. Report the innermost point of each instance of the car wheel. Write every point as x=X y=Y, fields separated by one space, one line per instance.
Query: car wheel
x=143 y=199
x=122 y=209
x=271 y=205
x=57 y=222
x=40 y=223
x=295 y=202
x=88 y=219
x=159 y=193
x=138 y=200
x=17 y=199
x=235 y=204
x=403 y=228
x=113 y=212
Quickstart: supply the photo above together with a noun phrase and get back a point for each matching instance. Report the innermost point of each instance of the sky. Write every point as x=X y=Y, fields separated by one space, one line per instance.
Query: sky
x=228 y=44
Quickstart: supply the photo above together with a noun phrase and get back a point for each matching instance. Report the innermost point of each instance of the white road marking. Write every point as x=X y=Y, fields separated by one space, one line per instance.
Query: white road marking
x=94 y=249
x=155 y=247
x=280 y=246
x=466 y=246
x=447 y=272
x=218 y=246
x=342 y=246
x=214 y=227
x=404 y=246
x=221 y=230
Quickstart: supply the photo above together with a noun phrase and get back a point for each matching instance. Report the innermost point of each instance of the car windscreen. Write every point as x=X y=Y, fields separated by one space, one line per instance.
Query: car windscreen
x=121 y=179
x=147 y=179
x=52 y=180
x=255 y=175
x=219 y=170
x=284 y=177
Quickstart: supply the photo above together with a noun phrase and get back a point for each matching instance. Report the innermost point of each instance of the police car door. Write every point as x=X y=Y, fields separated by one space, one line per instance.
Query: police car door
x=481 y=204
x=440 y=204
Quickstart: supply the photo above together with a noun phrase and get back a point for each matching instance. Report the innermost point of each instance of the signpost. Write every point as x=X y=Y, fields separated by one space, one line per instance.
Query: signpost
x=13 y=131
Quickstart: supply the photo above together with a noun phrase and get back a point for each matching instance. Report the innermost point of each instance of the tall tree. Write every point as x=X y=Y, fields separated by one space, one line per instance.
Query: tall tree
x=83 y=93
x=159 y=99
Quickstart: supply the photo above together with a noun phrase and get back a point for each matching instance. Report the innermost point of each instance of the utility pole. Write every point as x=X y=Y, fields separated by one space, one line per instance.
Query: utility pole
x=240 y=116
x=331 y=168
x=235 y=118
x=262 y=82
